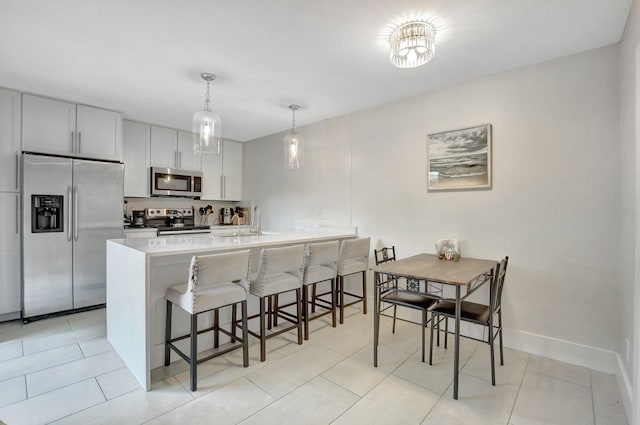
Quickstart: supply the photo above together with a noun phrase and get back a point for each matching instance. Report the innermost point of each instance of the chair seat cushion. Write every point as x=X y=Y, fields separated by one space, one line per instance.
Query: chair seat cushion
x=274 y=284
x=473 y=312
x=410 y=300
x=206 y=297
x=351 y=266
x=319 y=273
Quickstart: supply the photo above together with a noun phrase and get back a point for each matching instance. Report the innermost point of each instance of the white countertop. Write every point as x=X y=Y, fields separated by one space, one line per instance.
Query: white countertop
x=206 y=242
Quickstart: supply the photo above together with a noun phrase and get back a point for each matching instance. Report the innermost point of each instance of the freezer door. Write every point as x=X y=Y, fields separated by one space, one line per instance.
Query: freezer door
x=98 y=200
x=47 y=268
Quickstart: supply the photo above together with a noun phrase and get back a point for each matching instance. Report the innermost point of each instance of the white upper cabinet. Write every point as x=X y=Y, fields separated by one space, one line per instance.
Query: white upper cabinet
x=163 y=147
x=232 y=170
x=211 y=177
x=48 y=126
x=136 y=141
x=99 y=133
x=9 y=141
x=187 y=159
x=62 y=128
x=173 y=149
x=222 y=174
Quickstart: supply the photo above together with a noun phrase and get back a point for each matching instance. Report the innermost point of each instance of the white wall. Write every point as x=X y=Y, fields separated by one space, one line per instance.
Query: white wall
x=317 y=193
x=554 y=207
x=630 y=205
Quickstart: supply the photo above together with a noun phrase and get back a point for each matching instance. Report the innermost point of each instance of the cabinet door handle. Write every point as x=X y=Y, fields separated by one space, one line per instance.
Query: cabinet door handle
x=219 y=146
x=17 y=170
x=17 y=213
x=75 y=213
x=179 y=159
x=224 y=186
x=73 y=140
x=79 y=140
x=221 y=188
x=69 y=222
x=175 y=158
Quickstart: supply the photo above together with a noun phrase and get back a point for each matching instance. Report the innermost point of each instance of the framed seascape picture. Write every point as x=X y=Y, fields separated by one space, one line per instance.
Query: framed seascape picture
x=459 y=159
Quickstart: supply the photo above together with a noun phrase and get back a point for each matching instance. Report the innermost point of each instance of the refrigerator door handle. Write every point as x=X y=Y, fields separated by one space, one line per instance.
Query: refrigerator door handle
x=17 y=213
x=17 y=171
x=69 y=223
x=75 y=213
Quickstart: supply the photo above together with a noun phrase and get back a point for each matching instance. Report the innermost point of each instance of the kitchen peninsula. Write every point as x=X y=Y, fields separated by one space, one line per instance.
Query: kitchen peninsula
x=139 y=271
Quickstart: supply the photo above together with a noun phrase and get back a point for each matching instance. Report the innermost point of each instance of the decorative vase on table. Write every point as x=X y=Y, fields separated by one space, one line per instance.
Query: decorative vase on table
x=448 y=249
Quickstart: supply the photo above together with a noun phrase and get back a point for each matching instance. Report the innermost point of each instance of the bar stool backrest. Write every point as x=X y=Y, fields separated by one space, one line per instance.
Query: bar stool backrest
x=323 y=254
x=289 y=260
x=206 y=271
x=352 y=252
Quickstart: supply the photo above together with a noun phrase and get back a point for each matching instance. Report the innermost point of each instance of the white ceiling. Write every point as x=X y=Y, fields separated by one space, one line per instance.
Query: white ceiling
x=144 y=57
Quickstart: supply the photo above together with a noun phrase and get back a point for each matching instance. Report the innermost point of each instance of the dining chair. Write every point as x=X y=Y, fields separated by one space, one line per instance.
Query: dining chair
x=215 y=281
x=479 y=314
x=390 y=293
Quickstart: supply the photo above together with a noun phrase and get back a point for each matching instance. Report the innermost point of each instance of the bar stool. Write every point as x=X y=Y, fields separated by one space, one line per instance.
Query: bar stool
x=215 y=281
x=280 y=270
x=321 y=265
x=353 y=258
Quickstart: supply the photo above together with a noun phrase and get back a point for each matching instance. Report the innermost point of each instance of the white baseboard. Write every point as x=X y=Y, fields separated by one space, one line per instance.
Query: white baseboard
x=578 y=354
x=558 y=349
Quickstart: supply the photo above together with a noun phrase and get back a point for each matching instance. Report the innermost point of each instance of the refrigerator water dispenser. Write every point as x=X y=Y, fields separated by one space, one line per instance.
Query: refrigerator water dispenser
x=46 y=213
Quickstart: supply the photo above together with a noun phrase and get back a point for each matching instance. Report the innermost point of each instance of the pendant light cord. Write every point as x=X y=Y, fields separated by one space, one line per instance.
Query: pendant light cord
x=293 y=122
x=207 y=98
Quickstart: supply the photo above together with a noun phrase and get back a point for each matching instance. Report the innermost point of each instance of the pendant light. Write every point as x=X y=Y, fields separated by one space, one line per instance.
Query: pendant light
x=207 y=126
x=293 y=144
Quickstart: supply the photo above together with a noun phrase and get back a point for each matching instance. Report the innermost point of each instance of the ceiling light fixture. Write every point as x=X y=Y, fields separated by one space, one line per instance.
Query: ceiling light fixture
x=412 y=44
x=207 y=126
x=293 y=144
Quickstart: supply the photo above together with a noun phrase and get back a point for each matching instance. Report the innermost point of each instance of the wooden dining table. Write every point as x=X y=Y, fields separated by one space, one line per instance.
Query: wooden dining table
x=467 y=273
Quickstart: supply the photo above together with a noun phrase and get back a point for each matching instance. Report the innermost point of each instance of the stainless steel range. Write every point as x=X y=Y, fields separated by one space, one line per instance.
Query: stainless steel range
x=173 y=221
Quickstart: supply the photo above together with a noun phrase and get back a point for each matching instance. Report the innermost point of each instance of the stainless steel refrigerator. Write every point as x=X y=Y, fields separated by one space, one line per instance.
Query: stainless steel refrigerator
x=70 y=208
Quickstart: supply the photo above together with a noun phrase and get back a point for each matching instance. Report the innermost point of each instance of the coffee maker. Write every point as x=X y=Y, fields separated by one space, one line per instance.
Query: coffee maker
x=138 y=219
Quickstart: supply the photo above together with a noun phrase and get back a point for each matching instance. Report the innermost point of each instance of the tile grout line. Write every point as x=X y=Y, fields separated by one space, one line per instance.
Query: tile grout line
x=515 y=401
x=593 y=402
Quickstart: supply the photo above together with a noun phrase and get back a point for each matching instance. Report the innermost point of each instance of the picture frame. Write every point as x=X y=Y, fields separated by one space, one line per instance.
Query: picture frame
x=460 y=159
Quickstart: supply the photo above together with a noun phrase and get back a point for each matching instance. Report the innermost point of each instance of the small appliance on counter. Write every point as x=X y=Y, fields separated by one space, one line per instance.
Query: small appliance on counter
x=138 y=219
x=226 y=216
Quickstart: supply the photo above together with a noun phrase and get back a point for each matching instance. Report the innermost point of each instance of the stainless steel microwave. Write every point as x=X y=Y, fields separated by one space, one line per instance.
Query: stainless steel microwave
x=173 y=182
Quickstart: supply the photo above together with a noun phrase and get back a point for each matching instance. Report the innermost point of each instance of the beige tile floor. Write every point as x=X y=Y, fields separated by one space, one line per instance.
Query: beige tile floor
x=64 y=371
